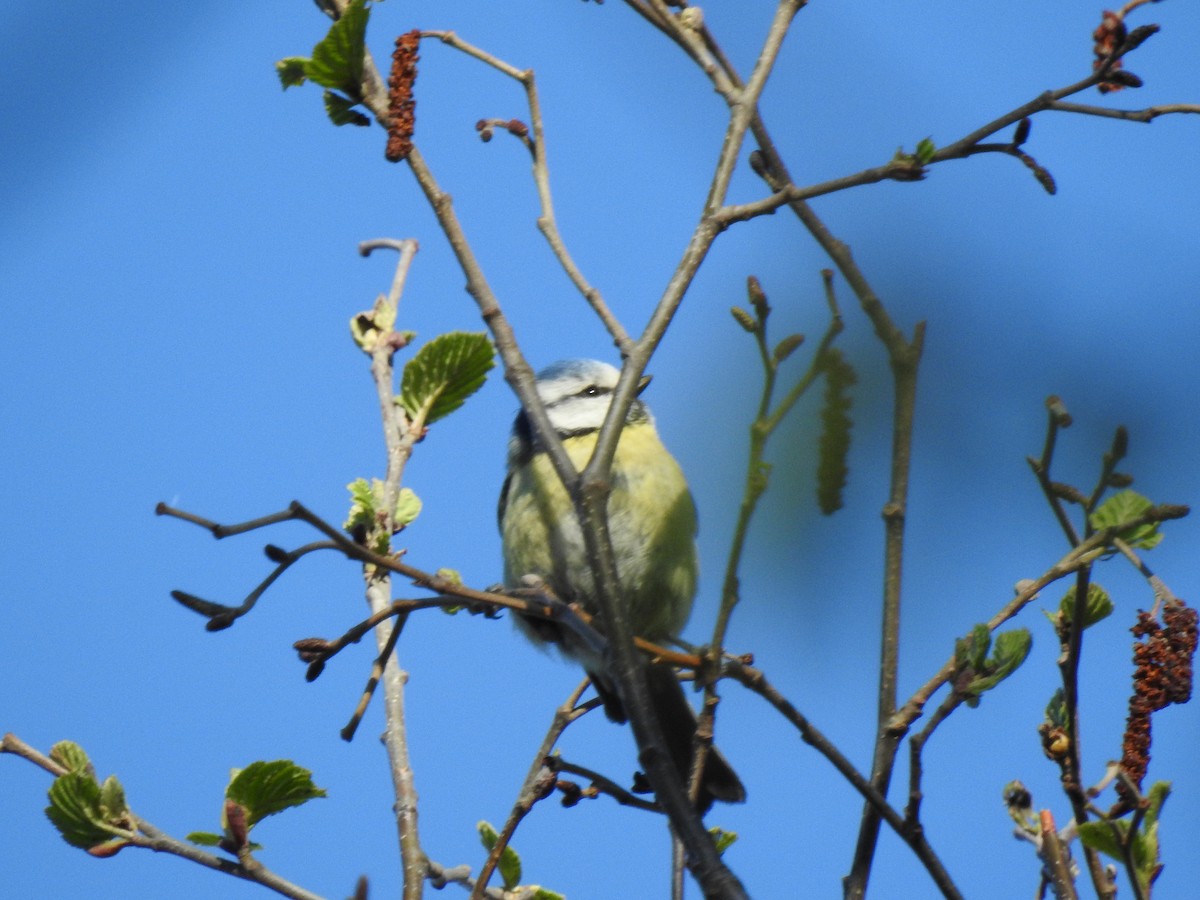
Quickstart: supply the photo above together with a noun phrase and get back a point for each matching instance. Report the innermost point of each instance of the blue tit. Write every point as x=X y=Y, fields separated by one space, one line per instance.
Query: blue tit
x=652 y=525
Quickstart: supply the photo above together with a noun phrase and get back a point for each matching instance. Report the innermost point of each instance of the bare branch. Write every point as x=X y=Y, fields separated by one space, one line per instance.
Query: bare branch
x=547 y=222
x=1149 y=114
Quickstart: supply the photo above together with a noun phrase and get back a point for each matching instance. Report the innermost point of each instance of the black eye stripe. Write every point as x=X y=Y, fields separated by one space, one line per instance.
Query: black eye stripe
x=591 y=390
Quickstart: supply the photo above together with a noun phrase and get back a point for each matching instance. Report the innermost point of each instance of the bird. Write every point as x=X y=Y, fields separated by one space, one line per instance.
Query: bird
x=652 y=526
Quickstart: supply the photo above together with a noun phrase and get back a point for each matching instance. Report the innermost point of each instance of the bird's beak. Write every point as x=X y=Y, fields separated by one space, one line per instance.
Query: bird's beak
x=643 y=383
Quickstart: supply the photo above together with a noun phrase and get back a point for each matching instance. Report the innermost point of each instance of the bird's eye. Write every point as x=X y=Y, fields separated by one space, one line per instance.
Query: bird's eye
x=590 y=391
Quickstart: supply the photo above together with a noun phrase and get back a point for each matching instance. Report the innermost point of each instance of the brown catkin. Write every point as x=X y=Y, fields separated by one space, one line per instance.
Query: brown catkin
x=402 y=117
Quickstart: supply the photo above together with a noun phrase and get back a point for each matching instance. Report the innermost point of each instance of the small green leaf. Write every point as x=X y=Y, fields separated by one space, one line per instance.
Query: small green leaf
x=510 y=868
x=71 y=757
x=367 y=501
x=341 y=110
x=292 y=71
x=367 y=328
x=1121 y=507
x=1098 y=607
x=451 y=575
x=1145 y=841
x=266 y=788
x=1009 y=650
x=75 y=810
x=205 y=838
x=833 y=445
x=722 y=838
x=337 y=61
x=1056 y=709
x=925 y=151
x=1157 y=796
x=510 y=862
x=112 y=800
x=444 y=373
x=362 y=505
x=1110 y=837
x=487 y=835
x=1100 y=836
x=454 y=577
x=541 y=893
x=970 y=652
x=408 y=507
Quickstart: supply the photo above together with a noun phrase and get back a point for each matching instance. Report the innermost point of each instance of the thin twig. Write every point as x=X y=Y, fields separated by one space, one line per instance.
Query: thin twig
x=603 y=784
x=1149 y=114
x=916 y=746
x=534 y=787
x=547 y=221
x=400 y=435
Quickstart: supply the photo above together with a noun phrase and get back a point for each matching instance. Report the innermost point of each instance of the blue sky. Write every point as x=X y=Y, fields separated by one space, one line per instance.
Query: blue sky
x=178 y=261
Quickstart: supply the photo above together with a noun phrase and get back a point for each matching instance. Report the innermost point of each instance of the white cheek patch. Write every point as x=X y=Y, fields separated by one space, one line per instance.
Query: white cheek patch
x=575 y=414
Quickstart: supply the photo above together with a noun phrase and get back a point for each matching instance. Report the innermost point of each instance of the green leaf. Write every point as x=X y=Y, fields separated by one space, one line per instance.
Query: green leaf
x=1121 y=507
x=1099 y=606
x=925 y=150
x=367 y=328
x=541 y=893
x=510 y=867
x=1100 y=836
x=341 y=110
x=366 y=502
x=71 y=757
x=722 y=838
x=487 y=835
x=112 y=800
x=510 y=862
x=834 y=443
x=205 y=838
x=444 y=373
x=1157 y=796
x=408 y=507
x=76 y=812
x=971 y=652
x=454 y=577
x=292 y=70
x=266 y=788
x=1056 y=709
x=1009 y=650
x=1110 y=837
x=337 y=61
x=451 y=575
x=362 y=505
x=1145 y=842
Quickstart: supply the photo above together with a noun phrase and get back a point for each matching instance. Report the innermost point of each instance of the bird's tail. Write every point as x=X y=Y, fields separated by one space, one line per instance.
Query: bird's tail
x=678 y=722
